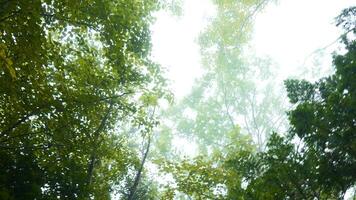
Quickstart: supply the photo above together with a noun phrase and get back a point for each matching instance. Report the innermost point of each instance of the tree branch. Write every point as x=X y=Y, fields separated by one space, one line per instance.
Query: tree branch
x=96 y=135
x=19 y=122
x=78 y=23
x=9 y=16
x=139 y=172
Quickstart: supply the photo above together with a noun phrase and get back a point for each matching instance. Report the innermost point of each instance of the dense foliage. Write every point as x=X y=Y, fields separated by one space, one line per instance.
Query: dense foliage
x=71 y=75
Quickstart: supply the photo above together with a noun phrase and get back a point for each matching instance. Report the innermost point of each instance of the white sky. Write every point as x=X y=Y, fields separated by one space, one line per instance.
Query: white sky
x=174 y=43
x=287 y=32
x=291 y=30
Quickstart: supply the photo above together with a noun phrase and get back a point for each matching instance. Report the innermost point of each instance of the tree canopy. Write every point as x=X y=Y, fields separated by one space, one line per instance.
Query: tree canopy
x=70 y=77
x=80 y=109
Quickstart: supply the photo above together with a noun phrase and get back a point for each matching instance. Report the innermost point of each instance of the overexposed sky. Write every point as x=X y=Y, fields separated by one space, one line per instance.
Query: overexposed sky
x=287 y=32
x=291 y=30
x=174 y=43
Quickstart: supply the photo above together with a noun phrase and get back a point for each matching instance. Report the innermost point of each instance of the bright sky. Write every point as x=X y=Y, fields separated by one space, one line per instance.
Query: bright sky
x=291 y=30
x=174 y=43
x=287 y=32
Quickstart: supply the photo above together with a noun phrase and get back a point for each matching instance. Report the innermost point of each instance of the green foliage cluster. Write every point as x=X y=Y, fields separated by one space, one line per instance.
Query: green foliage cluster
x=71 y=74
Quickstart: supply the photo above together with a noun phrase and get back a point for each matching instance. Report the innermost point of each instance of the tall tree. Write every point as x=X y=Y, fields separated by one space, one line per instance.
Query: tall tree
x=69 y=72
x=322 y=123
x=236 y=93
x=324 y=118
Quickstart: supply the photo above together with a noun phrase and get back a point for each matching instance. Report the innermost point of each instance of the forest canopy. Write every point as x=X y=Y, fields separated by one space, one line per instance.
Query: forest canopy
x=81 y=113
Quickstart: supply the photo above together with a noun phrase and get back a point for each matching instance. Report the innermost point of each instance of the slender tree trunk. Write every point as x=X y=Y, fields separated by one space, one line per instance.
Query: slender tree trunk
x=139 y=172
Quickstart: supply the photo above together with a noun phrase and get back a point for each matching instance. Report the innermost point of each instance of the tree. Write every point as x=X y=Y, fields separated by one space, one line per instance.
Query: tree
x=210 y=115
x=70 y=74
x=322 y=165
x=324 y=118
x=209 y=177
x=236 y=94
